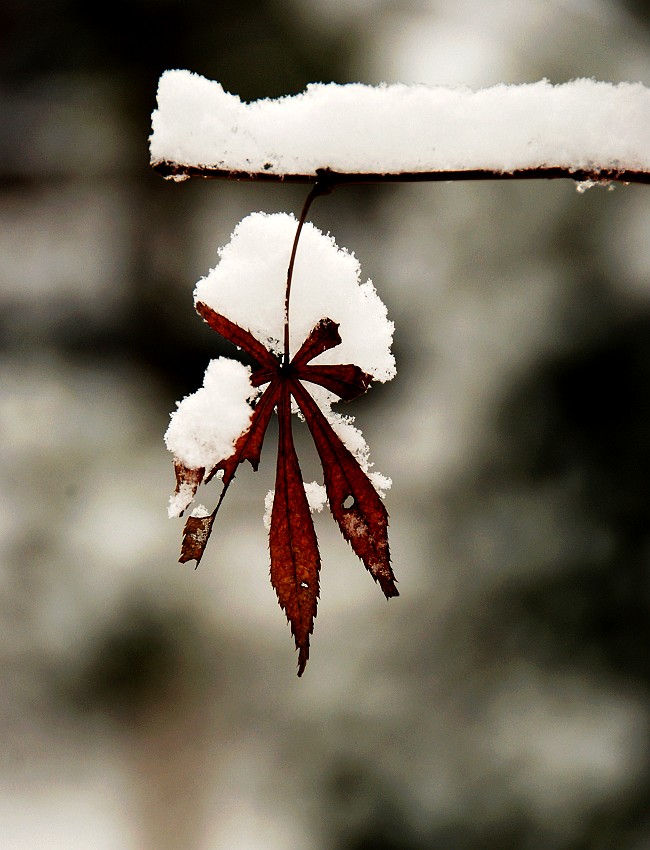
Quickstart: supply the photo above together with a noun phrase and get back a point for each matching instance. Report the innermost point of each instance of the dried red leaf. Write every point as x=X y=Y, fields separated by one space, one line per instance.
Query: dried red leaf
x=241 y=337
x=323 y=336
x=295 y=562
x=195 y=536
x=354 y=502
x=347 y=382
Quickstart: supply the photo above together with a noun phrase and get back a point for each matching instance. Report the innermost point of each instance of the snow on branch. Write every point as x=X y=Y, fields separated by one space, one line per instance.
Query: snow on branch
x=584 y=129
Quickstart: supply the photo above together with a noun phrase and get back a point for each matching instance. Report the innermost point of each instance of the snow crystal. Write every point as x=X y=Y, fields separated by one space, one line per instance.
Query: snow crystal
x=316 y=498
x=268 y=508
x=380 y=482
x=354 y=128
x=347 y=431
x=179 y=500
x=205 y=426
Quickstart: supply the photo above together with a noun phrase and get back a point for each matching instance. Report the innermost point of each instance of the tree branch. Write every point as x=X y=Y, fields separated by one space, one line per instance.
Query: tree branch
x=178 y=171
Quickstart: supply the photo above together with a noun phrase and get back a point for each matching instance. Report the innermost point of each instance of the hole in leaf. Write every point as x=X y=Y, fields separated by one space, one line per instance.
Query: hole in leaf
x=348 y=503
x=303 y=584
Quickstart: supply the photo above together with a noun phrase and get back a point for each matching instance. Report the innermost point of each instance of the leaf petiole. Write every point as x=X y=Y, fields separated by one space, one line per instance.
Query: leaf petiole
x=323 y=186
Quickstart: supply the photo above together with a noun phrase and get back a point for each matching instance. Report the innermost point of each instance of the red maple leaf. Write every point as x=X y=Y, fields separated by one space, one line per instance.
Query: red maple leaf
x=353 y=500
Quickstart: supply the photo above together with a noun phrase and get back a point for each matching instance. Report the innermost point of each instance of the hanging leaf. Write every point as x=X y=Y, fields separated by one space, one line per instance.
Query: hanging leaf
x=225 y=423
x=354 y=501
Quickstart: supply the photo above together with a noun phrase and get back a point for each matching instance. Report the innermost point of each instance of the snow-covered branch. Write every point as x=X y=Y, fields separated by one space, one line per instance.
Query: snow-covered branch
x=585 y=130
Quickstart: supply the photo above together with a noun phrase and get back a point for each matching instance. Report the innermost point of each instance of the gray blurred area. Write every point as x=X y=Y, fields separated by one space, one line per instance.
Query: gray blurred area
x=502 y=702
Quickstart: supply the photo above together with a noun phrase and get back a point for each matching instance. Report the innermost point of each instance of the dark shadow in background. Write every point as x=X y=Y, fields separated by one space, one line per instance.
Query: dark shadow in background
x=254 y=48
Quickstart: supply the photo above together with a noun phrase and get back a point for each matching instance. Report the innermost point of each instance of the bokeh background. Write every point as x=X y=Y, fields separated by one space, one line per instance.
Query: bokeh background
x=502 y=701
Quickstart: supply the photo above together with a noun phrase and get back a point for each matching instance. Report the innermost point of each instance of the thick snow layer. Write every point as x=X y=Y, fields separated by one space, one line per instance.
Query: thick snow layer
x=205 y=426
x=583 y=124
x=248 y=286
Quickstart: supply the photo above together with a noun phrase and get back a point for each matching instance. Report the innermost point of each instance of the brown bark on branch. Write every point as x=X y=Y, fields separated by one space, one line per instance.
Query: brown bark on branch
x=177 y=171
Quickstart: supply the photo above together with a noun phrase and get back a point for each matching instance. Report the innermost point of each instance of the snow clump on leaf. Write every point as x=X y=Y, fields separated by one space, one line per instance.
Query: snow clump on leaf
x=248 y=286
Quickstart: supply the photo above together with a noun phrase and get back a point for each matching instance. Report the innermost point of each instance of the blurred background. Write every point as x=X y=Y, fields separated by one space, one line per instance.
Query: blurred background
x=503 y=700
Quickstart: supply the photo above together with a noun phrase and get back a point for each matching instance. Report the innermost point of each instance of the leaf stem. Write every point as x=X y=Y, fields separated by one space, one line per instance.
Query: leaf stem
x=323 y=186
